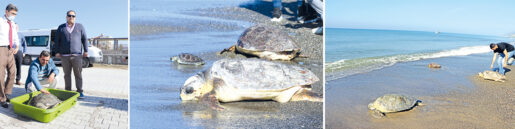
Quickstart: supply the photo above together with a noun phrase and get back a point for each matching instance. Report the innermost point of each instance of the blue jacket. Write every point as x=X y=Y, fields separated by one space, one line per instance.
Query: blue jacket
x=35 y=68
x=71 y=43
x=23 y=43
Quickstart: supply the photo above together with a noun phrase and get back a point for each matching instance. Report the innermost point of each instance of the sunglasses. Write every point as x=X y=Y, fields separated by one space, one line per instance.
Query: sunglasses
x=71 y=15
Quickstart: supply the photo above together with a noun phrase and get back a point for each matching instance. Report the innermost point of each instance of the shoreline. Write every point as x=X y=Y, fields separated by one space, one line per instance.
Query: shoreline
x=167 y=78
x=453 y=96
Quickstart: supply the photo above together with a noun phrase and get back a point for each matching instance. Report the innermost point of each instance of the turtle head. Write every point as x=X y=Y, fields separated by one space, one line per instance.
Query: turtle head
x=371 y=106
x=193 y=87
x=481 y=74
x=174 y=58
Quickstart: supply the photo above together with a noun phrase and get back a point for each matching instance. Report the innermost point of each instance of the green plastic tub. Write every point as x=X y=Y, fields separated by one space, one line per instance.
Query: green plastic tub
x=21 y=106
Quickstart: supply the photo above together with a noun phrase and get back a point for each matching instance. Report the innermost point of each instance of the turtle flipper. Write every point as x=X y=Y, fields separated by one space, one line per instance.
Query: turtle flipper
x=302 y=56
x=307 y=95
x=210 y=97
x=230 y=49
x=212 y=101
x=378 y=114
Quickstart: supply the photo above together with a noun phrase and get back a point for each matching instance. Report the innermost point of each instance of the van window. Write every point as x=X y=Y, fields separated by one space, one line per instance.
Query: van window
x=37 y=40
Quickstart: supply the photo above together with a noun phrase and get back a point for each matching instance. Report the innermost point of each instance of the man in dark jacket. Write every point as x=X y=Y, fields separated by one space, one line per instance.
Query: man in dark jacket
x=70 y=40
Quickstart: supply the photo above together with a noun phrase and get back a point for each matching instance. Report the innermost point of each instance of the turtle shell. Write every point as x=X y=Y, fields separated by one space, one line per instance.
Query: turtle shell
x=266 y=38
x=491 y=75
x=189 y=58
x=261 y=75
x=393 y=103
x=45 y=101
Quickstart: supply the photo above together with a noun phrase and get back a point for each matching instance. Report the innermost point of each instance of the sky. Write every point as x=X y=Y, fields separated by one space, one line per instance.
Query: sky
x=485 y=17
x=109 y=17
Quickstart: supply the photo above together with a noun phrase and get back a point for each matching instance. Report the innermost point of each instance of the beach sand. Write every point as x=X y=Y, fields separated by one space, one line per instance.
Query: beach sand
x=452 y=97
x=213 y=29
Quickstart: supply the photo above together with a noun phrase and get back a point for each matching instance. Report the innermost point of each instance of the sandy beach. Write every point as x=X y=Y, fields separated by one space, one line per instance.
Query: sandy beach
x=453 y=96
x=213 y=28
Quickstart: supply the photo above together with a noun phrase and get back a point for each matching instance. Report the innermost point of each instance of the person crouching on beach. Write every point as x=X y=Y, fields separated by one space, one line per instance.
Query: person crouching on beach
x=505 y=51
x=42 y=71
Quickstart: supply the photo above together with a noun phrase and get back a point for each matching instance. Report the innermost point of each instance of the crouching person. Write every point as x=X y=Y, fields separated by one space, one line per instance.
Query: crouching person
x=42 y=71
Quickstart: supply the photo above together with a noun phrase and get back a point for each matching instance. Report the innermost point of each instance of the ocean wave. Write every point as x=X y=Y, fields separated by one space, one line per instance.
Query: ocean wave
x=343 y=68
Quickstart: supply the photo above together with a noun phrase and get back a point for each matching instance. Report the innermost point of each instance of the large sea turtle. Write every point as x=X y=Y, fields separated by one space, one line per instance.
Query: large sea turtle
x=45 y=101
x=491 y=75
x=187 y=59
x=266 y=42
x=390 y=103
x=230 y=80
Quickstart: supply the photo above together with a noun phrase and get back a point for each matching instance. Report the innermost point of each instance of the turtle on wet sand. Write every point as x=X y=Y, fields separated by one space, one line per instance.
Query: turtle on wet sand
x=266 y=42
x=230 y=80
x=434 y=65
x=390 y=103
x=45 y=101
x=491 y=75
x=187 y=59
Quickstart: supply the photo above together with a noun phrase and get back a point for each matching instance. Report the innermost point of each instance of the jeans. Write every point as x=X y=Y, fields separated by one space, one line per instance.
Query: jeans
x=318 y=5
x=31 y=88
x=277 y=3
x=500 y=62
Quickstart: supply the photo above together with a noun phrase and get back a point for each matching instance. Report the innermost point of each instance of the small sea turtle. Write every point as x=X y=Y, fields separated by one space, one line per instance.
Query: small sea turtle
x=266 y=42
x=45 y=101
x=230 y=80
x=434 y=65
x=491 y=75
x=187 y=59
x=390 y=103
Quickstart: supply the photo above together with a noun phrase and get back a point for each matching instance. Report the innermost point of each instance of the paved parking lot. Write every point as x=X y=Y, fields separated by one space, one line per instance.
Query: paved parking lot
x=105 y=105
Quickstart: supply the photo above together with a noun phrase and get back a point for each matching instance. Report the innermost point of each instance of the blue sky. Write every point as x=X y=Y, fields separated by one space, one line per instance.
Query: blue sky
x=485 y=17
x=98 y=16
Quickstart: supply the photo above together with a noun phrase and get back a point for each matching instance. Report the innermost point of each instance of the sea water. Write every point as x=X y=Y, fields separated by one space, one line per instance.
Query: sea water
x=354 y=51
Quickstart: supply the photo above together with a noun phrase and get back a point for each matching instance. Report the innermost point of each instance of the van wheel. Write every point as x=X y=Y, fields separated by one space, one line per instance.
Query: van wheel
x=27 y=60
x=85 y=62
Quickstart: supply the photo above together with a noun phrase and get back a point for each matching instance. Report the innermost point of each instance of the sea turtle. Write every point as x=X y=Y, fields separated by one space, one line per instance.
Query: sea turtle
x=230 y=80
x=434 y=65
x=491 y=75
x=390 y=103
x=266 y=42
x=187 y=59
x=45 y=101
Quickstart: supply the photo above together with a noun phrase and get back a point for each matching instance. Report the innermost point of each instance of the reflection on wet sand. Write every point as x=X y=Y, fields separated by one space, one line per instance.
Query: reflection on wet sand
x=266 y=114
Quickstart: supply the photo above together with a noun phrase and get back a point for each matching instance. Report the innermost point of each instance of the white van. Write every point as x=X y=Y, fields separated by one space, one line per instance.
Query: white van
x=43 y=39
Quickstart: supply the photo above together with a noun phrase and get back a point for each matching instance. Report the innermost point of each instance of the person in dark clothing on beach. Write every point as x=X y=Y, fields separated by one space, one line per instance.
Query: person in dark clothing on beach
x=505 y=51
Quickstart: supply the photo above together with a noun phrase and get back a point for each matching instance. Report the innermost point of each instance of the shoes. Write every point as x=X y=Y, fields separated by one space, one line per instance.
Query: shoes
x=510 y=61
x=4 y=104
x=318 y=31
x=18 y=83
x=301 y=12
x=300 y=19
x=276 y=15
x=82 y=95
x=8 y=97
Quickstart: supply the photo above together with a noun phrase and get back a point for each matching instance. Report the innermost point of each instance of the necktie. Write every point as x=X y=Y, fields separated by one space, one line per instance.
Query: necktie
x=10 y=35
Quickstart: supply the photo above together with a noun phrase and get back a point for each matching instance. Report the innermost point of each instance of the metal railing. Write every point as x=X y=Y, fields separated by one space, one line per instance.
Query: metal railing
x=113 y=52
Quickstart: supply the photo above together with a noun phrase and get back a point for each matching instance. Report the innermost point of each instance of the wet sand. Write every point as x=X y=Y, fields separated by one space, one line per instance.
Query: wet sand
x=453 y=96
x=154 y=76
